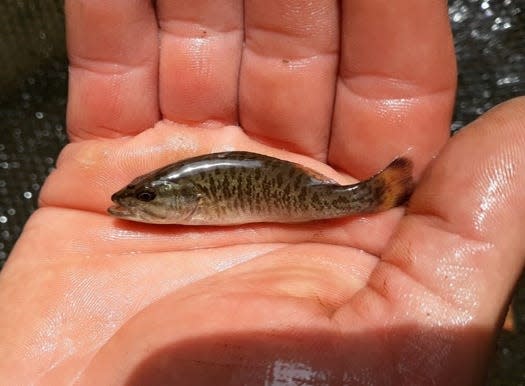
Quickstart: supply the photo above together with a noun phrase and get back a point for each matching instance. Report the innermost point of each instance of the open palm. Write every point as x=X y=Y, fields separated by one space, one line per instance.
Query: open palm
x=396 y=298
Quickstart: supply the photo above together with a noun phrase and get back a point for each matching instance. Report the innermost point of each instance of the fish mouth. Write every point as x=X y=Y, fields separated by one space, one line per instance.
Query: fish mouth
x=119 y=211
x=132 y=214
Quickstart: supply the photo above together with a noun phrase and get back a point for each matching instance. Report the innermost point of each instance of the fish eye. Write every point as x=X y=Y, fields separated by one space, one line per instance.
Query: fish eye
x=145 y=195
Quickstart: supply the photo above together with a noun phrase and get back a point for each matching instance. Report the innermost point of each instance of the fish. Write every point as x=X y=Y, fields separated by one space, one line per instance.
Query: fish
x=239 y=187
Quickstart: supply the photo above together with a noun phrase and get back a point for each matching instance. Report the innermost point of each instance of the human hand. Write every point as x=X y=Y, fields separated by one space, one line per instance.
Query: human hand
x=394 y=298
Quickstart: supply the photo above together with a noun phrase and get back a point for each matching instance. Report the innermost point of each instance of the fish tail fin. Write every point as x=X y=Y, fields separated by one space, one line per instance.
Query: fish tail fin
x=394 y=184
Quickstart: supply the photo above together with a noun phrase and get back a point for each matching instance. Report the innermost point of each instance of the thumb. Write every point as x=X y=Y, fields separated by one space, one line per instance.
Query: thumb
x=463 y=236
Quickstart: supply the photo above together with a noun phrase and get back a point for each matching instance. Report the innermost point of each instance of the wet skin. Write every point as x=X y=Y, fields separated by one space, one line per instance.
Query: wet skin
x=402 y=297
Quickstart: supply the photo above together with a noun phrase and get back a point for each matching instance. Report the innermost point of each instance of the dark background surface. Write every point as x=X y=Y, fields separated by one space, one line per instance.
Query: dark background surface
x=490 y=43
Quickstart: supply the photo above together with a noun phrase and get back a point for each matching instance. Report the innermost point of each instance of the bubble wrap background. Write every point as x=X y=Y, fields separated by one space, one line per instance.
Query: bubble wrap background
x=490 y=43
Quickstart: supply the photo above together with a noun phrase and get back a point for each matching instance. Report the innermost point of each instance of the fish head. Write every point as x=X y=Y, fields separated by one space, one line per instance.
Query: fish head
x=156 y=202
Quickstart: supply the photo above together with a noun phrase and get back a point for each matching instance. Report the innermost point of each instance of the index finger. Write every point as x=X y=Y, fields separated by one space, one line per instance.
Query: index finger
x=396 y=84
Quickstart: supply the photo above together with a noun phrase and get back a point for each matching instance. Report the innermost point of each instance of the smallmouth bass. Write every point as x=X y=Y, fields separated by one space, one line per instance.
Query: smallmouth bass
x=240 y=187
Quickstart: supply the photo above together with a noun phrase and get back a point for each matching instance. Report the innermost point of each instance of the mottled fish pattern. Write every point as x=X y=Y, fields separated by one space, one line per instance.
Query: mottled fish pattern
x=241 y=187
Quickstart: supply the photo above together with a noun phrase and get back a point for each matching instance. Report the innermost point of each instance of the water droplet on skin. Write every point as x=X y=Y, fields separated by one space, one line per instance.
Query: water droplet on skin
x=493 y=187
x=281 y=371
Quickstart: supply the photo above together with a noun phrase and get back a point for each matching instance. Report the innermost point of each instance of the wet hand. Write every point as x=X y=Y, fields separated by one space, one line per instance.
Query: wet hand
x=397 y=297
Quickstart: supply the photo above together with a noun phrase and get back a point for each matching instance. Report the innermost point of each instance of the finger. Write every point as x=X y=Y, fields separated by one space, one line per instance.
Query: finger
x=396 y=84
x=288 y=72
x=477 y=210
x=113 y=62
x=201 y=44
x=456 y=255
x=459 y=252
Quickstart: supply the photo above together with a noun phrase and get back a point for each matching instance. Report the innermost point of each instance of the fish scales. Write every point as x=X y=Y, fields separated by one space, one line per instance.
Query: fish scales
x=242 y=187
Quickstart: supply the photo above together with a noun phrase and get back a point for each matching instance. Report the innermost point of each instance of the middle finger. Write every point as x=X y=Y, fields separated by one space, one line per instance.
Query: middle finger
x=288 y=71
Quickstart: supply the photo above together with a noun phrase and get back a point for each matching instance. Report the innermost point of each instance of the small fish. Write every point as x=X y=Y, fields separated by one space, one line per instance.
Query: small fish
x=240 y=187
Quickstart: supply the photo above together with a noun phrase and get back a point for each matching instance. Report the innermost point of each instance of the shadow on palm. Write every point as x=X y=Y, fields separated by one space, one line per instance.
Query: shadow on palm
x=313 y=357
